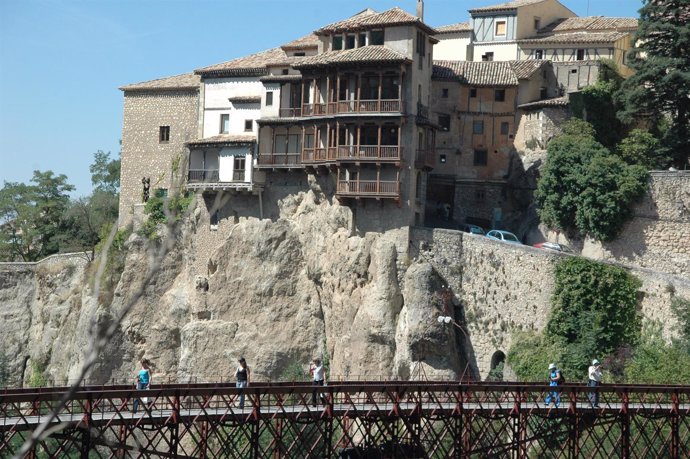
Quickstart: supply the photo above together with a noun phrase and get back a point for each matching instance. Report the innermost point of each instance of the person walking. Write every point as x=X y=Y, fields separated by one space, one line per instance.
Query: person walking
x=554 y=380
x=143 y=381
x=594 y=373
x=318 y=374
x=242 y=377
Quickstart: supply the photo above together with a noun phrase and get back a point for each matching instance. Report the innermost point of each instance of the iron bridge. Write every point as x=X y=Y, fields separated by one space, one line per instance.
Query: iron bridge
x=356 y=419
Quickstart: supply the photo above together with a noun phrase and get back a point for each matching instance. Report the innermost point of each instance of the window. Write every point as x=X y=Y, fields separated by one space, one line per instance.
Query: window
x=479 y=195
x=362 y=40
x=500 y=29
x=488 y=57
x=248 y=125
x=573 y=71
x=421 y=44
x=224 y=123
x=478 y=127
x=238 y=169
x=505 y=128
x=500 y=95
x=285 y=71
x=376 y=37
x=442 y=159
x=539 y=54
x=480 y=157
x=444 y=93
x=537 y=23
x=580 y=54
x=349 y=41
x=543 y=94
x=300 y=54
x=444 y=122
x=337 y=42
x=164 y=134
x=473 y=92
x=269 y=98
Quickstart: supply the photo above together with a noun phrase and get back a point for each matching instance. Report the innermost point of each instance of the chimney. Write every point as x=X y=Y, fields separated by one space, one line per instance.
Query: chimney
x=420 y=9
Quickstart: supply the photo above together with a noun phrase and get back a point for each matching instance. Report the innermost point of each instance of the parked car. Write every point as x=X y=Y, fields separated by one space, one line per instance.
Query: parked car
x=504 y=236
x=472 y=229
x=553 y=246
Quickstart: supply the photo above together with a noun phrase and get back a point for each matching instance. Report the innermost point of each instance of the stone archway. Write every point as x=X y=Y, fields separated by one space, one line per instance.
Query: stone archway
x=498 y=360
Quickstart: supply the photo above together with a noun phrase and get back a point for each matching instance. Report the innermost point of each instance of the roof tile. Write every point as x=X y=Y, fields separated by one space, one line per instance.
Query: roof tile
x=373 y=54
x=184 y=81
x=504 y=6
x=577 y=37
x=591 y=23
x=223 y=139
x=476 y=73
x=252 y=65
x=369 y=19
x=307 y=41
x=458 y=27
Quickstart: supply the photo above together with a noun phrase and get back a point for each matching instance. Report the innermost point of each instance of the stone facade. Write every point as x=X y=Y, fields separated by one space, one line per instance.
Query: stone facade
x=143 y=153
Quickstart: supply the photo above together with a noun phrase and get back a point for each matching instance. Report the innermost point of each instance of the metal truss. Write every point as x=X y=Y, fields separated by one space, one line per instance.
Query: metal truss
x=403 y=419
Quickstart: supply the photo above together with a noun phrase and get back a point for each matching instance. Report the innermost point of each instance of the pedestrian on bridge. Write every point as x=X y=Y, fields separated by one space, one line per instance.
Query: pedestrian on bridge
x=554 y=380
x=143 y=382
x=242 y=376
x=594 y=381
x=318 y=373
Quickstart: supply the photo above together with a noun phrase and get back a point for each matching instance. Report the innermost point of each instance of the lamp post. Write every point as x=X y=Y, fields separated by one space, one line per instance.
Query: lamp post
x=445 y=318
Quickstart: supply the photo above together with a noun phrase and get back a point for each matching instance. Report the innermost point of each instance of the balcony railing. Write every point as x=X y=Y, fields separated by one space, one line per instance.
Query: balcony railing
x=238 y=175
x=279 y=159
x=370 y=152
x=203 y=175
x=422 y=111
x=353 y=106
x=292 y=112
x=369 y=188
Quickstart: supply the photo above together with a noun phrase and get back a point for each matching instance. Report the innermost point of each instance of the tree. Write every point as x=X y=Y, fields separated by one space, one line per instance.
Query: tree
x=642 y=148
x=585 y=189
x=661 y=83
x=105 y=173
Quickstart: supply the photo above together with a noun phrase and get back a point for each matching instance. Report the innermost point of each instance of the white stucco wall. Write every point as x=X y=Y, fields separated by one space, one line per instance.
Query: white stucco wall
x=226 y=159
x=452 y=47
x=217 y=91
x=271 y=111
x=401 y=39
x=502 y=51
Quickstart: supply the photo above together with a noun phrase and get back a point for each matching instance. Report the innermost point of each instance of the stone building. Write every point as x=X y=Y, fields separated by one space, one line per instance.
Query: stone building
x=476 y=105
x=160 y=116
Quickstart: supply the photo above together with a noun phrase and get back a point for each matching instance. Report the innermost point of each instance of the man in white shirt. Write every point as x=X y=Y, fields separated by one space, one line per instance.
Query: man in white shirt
x=594 y=381
x=318 y=373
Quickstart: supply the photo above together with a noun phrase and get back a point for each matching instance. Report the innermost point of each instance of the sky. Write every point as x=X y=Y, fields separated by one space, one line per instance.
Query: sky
x=62 y=61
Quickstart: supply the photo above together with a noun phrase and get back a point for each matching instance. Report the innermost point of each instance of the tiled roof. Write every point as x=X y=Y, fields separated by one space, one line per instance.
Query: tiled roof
x=459 y=27
x=185 y=81
x=555 y=102
x=252 y=65
x=525 y=69
x=577 y=37
x=373 y=54
x=245 y=99
x=369 y=19
x=591 y=23
x=279 y=78
x=476 y=73
x=505 y=6
x=223 y=139
x=307 y=41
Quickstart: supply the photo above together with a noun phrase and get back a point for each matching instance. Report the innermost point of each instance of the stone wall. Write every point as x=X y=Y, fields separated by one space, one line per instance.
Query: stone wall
x=143 y=155
x=499 y=289
x=658 y=235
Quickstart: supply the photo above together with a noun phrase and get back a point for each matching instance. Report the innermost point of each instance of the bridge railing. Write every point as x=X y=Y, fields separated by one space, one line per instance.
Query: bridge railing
x=402 y=419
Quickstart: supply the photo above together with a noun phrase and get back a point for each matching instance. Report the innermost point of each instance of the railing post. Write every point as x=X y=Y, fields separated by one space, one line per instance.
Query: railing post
x=675 y=425
x=625 y=425
x=574 y=432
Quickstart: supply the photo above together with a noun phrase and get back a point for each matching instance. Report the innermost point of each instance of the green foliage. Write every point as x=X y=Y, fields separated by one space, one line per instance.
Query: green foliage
x=578 y=128
x=655 y=362
x=681 y=309
x=595 y=104
x=584 y=188
x=4 y=369
x=293 y=372
x=530 y=355
x=661 y=81
x=38 y=377
x=496 y=374
x=643 y=149
x=162 y=209
x=593 y=315
x=105 y=173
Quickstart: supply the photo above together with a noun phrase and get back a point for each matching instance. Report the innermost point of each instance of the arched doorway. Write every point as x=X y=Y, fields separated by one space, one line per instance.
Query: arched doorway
x=497 y=364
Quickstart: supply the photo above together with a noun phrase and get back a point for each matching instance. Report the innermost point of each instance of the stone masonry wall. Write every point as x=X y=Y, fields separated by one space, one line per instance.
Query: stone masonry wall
x=658 y=235
x=142 y=153
x=502 y=289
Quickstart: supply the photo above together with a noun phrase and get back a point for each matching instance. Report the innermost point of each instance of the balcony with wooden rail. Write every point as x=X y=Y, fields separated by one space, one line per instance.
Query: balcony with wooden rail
x=425 y=158
x=209 y=179
x=389 y=189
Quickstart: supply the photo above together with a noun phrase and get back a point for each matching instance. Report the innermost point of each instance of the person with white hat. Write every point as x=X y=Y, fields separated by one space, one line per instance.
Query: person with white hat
x=594 y=381
x=554 y=380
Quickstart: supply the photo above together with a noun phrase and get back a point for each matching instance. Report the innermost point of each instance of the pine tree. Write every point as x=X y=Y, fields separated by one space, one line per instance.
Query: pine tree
x=661 y=84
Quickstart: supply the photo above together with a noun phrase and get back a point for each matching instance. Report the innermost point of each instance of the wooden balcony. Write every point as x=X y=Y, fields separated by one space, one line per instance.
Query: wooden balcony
x=369 y=189
x=369 y=153
x=279 y=160
x=425 y=158
x=353 y=106
x=203 y=175
x=209 y=179
x=290 y=112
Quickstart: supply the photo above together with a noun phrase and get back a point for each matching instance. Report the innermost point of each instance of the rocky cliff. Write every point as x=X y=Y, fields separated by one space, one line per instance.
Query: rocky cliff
x=284 y=290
